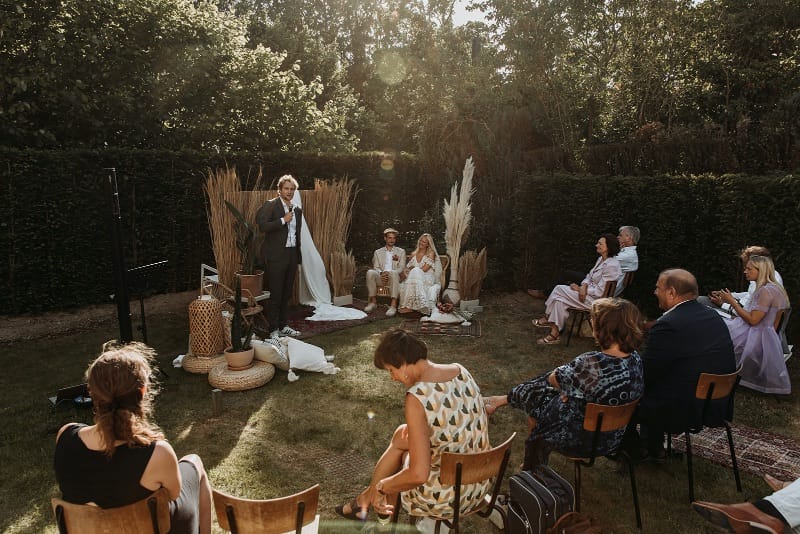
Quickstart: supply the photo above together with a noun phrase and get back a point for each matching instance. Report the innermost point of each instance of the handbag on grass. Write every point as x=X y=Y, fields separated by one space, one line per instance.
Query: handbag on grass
x=537 y=499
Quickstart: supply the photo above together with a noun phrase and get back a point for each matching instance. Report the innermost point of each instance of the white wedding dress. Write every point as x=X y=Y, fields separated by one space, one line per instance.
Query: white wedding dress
x=314 y=289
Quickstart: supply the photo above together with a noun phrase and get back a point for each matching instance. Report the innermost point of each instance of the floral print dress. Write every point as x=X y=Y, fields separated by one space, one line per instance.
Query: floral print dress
x=458 y=423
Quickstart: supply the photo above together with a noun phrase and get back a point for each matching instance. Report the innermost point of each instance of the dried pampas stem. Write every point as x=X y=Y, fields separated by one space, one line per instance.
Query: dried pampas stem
x=472 y=270
x=457 y=216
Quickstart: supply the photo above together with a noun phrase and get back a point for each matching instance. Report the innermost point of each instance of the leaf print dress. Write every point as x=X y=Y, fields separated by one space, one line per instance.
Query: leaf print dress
x=458 y=423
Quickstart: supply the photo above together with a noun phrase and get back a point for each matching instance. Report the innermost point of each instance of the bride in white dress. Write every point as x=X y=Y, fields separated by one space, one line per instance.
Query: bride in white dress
x=421 y=287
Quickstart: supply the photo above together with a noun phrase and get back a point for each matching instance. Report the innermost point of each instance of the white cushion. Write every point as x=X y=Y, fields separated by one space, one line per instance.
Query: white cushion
x=271 y=351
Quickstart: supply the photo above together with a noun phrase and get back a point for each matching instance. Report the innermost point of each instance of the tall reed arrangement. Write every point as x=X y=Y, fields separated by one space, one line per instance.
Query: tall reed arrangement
x=328 y=212
x=224 y=185
x=472 y=270
x=343 y=273
x=457 y=216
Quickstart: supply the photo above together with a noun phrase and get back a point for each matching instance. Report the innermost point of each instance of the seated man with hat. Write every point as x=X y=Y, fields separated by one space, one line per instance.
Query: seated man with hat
x=387 y=266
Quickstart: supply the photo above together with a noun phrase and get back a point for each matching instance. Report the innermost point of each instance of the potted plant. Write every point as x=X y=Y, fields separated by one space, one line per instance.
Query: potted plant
x=251 y=278
x=240 y=354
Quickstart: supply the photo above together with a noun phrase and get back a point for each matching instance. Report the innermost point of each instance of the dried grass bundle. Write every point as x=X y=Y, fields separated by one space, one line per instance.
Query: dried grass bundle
x=328 y=211
x=343 y=273
x=457 y=216
x=222 y=185
x=472 y=270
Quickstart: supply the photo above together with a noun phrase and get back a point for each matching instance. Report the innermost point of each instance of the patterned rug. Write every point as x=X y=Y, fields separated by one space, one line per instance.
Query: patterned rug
x=307 y=329
x=757 y=452
x=436 y=329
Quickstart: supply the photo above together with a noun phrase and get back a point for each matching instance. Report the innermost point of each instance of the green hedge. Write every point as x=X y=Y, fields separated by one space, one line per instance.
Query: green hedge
x=695 y=222
x=54 y=228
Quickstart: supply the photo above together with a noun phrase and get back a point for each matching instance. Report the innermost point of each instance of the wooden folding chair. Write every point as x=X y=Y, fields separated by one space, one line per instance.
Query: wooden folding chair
x=268 y=516
x=457 y=469
x=142 y=517
x=599 y=418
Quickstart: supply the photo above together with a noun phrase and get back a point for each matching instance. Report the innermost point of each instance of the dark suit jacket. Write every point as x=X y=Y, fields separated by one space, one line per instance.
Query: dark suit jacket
x=689 y=340
x=275 y=231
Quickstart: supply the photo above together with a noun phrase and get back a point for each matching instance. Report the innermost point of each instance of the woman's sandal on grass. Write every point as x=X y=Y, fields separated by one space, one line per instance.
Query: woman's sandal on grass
x=549 y=340
x=541 y=322
x=355 y=513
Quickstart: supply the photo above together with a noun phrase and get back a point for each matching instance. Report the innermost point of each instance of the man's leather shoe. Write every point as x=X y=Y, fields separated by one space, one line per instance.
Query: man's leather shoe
x=739 y=518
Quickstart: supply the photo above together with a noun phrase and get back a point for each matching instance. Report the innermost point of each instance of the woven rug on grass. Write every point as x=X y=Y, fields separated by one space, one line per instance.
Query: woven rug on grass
x=298 y=315
x=438 y=329
x=757 y=452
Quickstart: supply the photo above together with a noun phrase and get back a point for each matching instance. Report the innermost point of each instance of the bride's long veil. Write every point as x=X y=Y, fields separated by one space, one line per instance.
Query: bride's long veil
x=313 y=285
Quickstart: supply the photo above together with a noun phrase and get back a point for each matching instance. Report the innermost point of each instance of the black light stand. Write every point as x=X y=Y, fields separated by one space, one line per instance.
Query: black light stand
x=120 y=285
x=141 y=281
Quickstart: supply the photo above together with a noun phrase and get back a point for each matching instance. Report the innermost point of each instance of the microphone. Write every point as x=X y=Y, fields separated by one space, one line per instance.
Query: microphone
x=291 y=207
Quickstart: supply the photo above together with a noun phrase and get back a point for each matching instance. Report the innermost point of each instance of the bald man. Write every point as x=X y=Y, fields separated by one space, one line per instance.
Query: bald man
x=688 y=339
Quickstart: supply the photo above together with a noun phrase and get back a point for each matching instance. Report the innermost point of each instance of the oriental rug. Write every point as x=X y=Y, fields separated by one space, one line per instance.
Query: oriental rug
x=307 y=329
x=757 y=452
x=437 y=329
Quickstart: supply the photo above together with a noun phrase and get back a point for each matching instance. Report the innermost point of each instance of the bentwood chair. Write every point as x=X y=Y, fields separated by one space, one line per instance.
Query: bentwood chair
x=598 y=419
x=150 y=515
x=470 y=468
x=581 y=314
x=270 y=516
x=711 y=387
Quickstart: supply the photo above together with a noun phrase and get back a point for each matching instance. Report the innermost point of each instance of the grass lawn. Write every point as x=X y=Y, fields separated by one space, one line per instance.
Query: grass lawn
x=284 y=437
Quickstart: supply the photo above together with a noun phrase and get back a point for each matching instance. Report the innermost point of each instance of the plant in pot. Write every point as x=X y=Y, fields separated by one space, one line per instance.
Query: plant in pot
x=246 y=241
x=240 y=354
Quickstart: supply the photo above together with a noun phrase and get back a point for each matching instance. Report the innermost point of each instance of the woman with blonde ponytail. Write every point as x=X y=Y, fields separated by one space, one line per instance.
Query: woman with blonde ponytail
x=123 y=457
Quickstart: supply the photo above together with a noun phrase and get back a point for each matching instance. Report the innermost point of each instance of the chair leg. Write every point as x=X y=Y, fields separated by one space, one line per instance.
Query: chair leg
x=733 y=457
x=569 y=329
x=689 y=466
x=577 y=486
x=632 y=474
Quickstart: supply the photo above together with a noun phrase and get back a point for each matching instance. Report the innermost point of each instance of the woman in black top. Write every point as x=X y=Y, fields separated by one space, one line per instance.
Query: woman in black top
x=123 y=458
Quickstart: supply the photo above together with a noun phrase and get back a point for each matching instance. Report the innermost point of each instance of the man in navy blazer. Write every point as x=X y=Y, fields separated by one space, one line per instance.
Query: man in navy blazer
x=281 y=223
x=688 y=339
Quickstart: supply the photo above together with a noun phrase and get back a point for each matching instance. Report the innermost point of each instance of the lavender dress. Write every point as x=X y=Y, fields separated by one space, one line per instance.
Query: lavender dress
x=758 y=347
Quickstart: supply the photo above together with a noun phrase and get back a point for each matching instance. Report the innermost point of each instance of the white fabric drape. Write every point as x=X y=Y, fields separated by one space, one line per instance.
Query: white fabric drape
x=314 y=289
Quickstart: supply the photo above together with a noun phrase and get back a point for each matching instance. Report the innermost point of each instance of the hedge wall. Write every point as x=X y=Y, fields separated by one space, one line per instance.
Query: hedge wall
x=695 y=222
x=54 y=228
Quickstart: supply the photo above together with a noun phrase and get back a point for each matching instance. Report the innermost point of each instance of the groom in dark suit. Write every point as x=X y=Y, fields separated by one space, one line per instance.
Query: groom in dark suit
x=281 y=223
x=688 y=339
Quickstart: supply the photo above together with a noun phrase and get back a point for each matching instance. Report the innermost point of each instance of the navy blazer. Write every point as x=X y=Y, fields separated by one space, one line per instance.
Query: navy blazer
x=689 y=340
x=275 y=231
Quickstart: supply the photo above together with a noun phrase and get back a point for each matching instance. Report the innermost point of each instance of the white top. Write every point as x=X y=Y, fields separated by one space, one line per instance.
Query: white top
x=628 y=261
x=387 y=261
x=291 y=238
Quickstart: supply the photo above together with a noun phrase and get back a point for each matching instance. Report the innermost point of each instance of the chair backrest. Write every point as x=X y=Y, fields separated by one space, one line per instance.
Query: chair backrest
x=445 y=260
x=627 y=280
x=284 y=514
x=475 y=466
x=611 y=287
x=145 y=516
x=604 y=418
x=781 y=319
x=714 y=387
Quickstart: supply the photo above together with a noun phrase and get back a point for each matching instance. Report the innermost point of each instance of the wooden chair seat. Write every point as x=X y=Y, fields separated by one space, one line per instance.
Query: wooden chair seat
x=150 y=515
x=267 y=516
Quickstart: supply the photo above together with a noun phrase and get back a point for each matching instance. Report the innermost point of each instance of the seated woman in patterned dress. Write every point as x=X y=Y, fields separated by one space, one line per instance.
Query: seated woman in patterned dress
x=420 y=288
x=444 y=412
x=757 y=345
x=556 y=401
x=606 y=269
x=123 y=458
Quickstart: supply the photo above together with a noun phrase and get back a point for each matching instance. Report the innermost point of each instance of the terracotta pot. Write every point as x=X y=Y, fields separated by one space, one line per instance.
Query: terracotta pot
x=252 y=282
x=239 y=361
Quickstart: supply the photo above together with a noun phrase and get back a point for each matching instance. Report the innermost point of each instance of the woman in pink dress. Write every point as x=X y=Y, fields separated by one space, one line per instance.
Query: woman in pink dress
x=756 y=344
x=606 y=269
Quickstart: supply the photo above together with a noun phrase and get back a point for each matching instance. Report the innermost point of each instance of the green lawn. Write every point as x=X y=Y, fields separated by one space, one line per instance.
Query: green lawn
x=285 y=436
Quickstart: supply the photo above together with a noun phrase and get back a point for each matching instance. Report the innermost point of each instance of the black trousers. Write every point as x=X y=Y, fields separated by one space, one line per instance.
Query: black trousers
x=280 y=278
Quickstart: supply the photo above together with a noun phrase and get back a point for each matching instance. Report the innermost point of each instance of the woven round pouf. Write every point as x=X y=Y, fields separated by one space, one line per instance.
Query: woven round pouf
x=207 y=337
x=223 y=378
x=201 y=364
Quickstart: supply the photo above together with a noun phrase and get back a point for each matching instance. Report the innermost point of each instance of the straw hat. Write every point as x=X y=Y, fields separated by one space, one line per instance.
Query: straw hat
x=391 y=231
